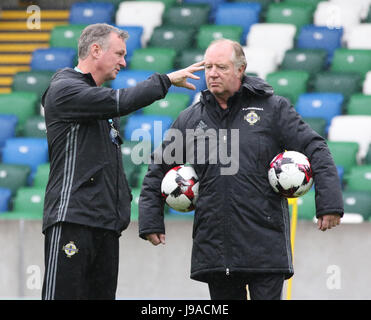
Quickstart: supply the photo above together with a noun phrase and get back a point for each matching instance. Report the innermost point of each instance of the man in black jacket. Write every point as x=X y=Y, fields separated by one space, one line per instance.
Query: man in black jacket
x=87 y=202
x=241 y=226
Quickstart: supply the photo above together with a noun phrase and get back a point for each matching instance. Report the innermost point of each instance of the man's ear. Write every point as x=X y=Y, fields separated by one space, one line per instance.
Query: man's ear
x=95 y=50
x=241 y=70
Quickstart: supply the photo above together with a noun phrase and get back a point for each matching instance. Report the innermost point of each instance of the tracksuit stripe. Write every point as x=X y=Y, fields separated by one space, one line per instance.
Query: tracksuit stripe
x=69 y=169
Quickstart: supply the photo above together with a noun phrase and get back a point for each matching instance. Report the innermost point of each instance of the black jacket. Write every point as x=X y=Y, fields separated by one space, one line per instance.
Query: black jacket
x=87 y=184
x=241 y=225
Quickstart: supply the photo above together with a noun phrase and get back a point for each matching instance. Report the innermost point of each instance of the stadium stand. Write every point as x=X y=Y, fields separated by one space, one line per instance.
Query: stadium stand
x=52 y=59
x=21 y=104
x=275 y=37
x=14 y=176
x=91 y=12
x=8 y=123
x=261 y=61
x=290 y=83
x=147 y=127
x=146 y=14
x=320 y=105
x=5 y=196
x=171 y=105
x=153 y=59
x=240 y=14
x=316 y=53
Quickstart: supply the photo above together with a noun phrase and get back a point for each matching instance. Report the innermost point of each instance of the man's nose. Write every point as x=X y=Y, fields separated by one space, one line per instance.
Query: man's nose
x=122 y=63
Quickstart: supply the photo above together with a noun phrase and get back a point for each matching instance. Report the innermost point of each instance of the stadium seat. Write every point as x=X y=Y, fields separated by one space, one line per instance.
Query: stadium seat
x=214 y=4
x=171 y=105
x=337 y=15
x=147 y=14
x=66 y=36
x=351 y=60
x=320 y=37
x=322 y=105
x=13 y=176
x=41 y=175
x=20 y=104
x=357 y=202
x=340 y=82
x=91 y=12
x=367 y=159
x=135 y=203
x=189 y=56
x=298 y=14
x=358 y=179
x=147 y=128
x=178 y=38
x=275 y=37
x=199 y=84
x=352 y=128
x=359 y=104
x=361 y=6
x=129 y=78
x=35 y=127
x=160 y=60
x=344 y=153
x=134 y=42
x=208 y=33
x=52 y=59
x=260 y=61
x=32 y=81
x=5 y=196
x=290 y=84
x=241 y=14
x=366 y=88
x=8 y=123
x=306 y=206
x=317 y=124
x=187 y=15
x=134 y=154
x=310 y=60
x=359 y=37
x=27 y=151
x=29 y=200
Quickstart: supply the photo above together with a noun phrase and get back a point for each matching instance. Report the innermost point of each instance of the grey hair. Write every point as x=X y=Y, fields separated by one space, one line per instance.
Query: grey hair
x=97 y=33
x=238 y=55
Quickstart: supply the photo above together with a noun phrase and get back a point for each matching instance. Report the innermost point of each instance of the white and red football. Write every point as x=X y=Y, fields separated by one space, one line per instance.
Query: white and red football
x=179 y=187
x=290 y=174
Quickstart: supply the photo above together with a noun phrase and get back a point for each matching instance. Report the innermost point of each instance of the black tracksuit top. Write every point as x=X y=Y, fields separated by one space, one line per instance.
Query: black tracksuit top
x=87 y=184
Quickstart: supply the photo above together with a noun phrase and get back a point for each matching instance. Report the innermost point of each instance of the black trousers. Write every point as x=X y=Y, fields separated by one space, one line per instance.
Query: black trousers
x=266 y=286
x=81 y=263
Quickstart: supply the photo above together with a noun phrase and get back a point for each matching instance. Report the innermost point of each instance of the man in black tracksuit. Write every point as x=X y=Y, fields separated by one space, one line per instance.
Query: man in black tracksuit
x=241 y=232
x=87 y=202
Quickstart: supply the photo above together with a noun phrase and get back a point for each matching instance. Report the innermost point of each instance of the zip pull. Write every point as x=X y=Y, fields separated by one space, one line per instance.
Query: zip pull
x=227 y=271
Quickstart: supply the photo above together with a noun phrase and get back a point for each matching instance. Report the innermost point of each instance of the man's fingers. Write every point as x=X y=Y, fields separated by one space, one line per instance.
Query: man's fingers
x=156 y=239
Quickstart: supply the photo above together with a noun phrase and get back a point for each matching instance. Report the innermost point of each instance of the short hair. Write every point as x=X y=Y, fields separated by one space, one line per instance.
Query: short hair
x=238 y=56
x=97 y=33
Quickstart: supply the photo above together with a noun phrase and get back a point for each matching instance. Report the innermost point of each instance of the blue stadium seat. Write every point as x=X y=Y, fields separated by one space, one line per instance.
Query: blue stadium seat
x=145 y=128
x=320 y=37
x=27 y=151
x=134 y=41
x=8 y=123
x=242 y=14
x=52 y=59
x=129 y=78
x=91 y=12
x=5 y=195
x=320 y=105
x=200 y=85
